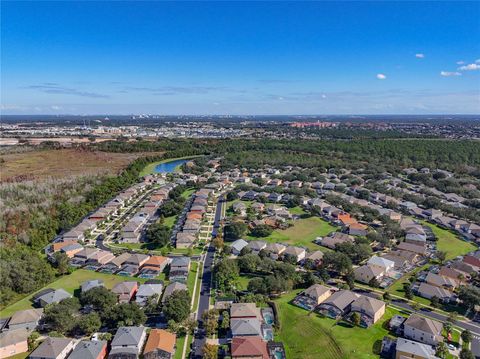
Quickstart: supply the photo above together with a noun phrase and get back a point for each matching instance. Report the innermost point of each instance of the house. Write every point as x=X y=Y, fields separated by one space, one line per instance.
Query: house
x=249 y=348
x=244 y=310
x=312 y=296
x=146 y=291
x=53 y=348
x=338 y=304
x=125 y=291
x=409 y=349
x=383 y=263
x=99 y=258
x=423 y=330
x=370 y=310
x=295 y=252
x=415 y=235
x=25 y=319
x=400 y=262
x=73 y=235
x=357 y=229
x=440 y=281
x=80 y=258
x=417 y=248
x=429 y=291
x=179 y=268
x=258 y=207
x=336 y=238
x=454 y=274
x=127 y=343
x=172 y=287
x=71 y=249
x=13 y=342
x=315 y=256
x=256 y=246
x=89 y=349
x=245 y=327
x=185 y=240
x=160 y=345
x=137 y=260
x=90 y=284
x=239 y=208
x=154 y=266
x=275 y=197
x=51 y=296
x=237 y=246
x=115 y=264
x=366 y=273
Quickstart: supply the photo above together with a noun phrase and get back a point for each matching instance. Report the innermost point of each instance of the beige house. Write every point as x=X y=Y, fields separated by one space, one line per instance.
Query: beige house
x=13 y=342
x=318 y=293
x=423 y=330
x=366 y=273
x=370 y=309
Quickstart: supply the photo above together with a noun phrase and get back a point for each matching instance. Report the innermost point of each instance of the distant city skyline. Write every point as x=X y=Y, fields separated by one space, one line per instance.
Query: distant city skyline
x=237 y=58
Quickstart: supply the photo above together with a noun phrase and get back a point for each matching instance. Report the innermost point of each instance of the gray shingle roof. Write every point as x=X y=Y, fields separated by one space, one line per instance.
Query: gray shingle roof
x=51 y=348
x=128 y=336
x=88 y=349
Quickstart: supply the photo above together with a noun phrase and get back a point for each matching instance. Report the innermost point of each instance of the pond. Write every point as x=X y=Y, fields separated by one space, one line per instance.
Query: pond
x=168 y=167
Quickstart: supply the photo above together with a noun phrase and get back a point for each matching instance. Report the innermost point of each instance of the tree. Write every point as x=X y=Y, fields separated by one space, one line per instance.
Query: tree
x=177 y=306
x=159 y=234
x=61 y=262
x=235 y=230
x=262 y=230
x=466 y=336
x=435 y=302
x=374 y=282
x=441 y=350
x=447 y=326
x=441 y=255
x=387 y=297
x=356 y=319
x=225 y=320
x=218 y=242
x=60 y=317
x=100 y=298
x=125 y=314
x=469 y=295
x=89 y=324
x=173 y=326
x=32 y=340
x=407 y=289
x=466 y=354
x=210 y=351
x=227 y=274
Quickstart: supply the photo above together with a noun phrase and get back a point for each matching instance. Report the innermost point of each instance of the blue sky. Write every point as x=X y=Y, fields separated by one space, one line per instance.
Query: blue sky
x=240 y=57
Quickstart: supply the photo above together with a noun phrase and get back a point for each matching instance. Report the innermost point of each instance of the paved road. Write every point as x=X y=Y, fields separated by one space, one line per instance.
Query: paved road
x=473 y=327
x=204 y=302
x=476 y=345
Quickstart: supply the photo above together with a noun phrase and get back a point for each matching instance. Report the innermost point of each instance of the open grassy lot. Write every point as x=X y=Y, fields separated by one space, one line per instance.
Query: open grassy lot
x=397 y=287
x=302 y=233
x=70 y=283
x=191 y=277
x=62 y=163
x=308 y=336
x=450 y=242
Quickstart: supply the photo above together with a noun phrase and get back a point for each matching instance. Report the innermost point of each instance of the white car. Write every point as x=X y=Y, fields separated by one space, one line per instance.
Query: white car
x=451 y=347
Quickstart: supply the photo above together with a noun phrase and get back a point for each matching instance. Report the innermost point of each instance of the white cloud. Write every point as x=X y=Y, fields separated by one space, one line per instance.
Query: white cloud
x=469 y=67
x=324 y=96
x=460 y=62
x=419 y=56
x=450 y=73
x=55 y=107
x=381 y=76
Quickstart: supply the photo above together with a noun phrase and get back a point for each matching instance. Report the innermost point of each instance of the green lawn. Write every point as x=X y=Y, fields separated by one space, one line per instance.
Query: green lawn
x=70 y=283
x=397 y=287
x=179 y=350
x=309 y=336
x=191 y=277
x=302 y=233
x=187 y=193
x=297 y=210
x=450 y=243
x=244 y=280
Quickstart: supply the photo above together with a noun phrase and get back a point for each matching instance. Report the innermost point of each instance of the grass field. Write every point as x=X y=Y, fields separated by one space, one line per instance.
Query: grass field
x=302 y=233
x=70 y=283
x=62 y=163
x=191 y=277
x=450 y=243
x=308 y=336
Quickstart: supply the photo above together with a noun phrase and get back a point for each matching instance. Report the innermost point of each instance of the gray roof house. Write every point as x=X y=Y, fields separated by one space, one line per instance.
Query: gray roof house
x=424 y=330
x=256 y=246
x=25 y=319
x=173 y=287
x=128 y=342
x=90 y=284
x=410 y=349
x=245 y=327
x=89 y=349
x=53 y=348
x=50 y=297
x=146 y=291
x=238 y=245
x=338 y=304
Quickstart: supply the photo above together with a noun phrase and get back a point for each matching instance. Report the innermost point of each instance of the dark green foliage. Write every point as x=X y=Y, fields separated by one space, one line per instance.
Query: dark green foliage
x=177 y=306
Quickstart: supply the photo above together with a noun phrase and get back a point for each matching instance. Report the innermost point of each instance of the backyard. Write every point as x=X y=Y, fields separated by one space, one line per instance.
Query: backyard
x=70 y=283
x=308 y=336
x=450 y=243
x=302 y=233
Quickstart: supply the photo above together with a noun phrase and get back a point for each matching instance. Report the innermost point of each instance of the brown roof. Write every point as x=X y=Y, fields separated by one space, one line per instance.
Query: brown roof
x=160 y=339
x=412 y=248
x=242 y=310
x=155 y=261
x=368 y=305
x=59 y=245
x=249 y=347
